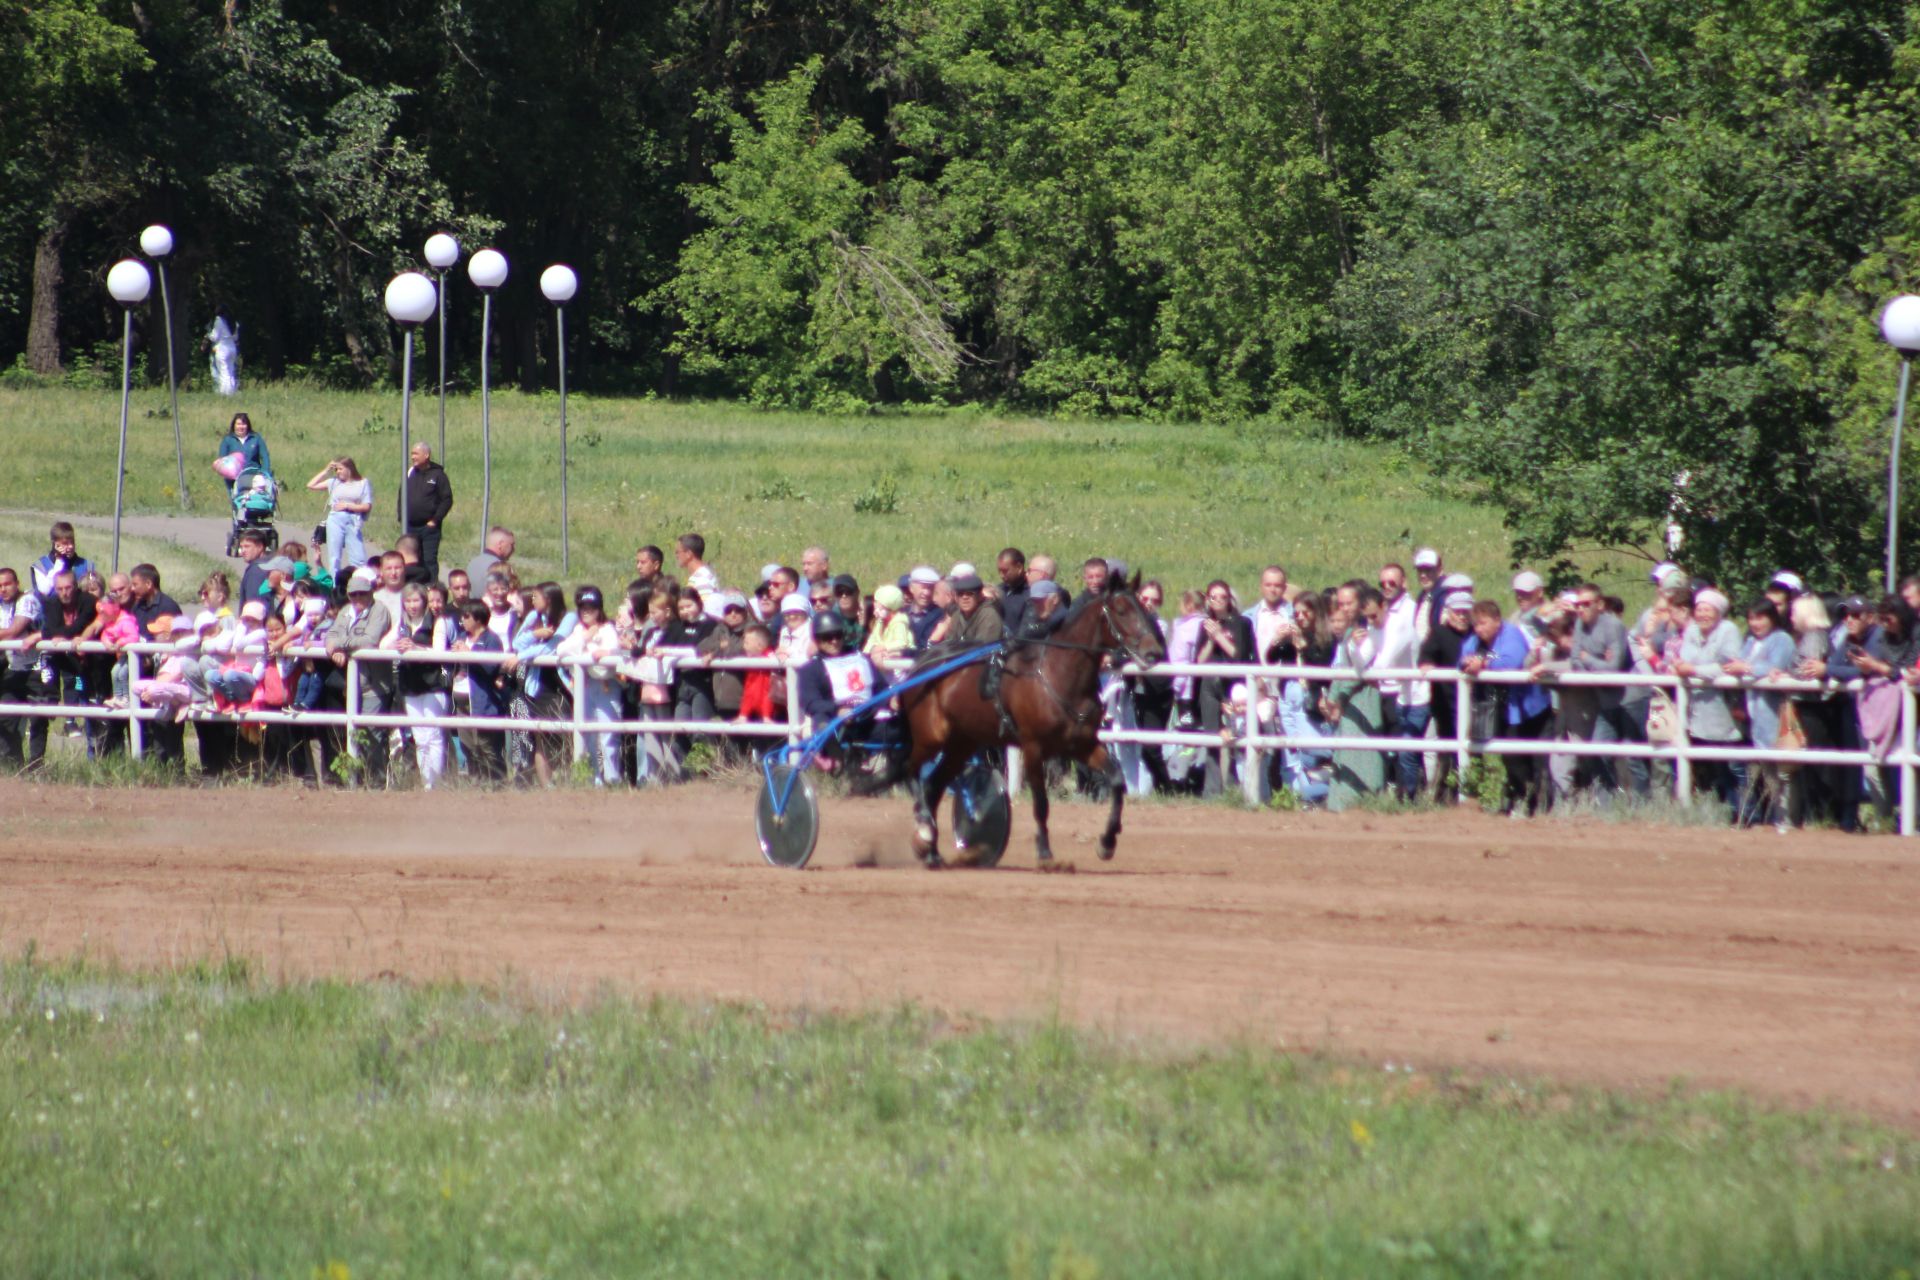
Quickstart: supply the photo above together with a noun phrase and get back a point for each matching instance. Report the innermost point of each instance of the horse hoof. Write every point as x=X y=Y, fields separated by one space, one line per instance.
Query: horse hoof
x=1107 y=849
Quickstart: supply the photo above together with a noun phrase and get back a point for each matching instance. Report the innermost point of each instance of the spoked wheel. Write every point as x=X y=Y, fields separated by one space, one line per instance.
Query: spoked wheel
x=787 y=817
x=982 y=814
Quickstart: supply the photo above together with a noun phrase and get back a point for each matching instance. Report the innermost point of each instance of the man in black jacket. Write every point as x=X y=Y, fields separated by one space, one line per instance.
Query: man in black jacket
x=429 y=497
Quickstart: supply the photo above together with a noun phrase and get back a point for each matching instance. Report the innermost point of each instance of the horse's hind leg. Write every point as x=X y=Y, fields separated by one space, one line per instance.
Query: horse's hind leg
x=1102 y=760
x=1036 y=769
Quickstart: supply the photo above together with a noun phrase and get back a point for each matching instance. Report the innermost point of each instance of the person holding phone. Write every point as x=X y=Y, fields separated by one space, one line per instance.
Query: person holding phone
x=349 y=499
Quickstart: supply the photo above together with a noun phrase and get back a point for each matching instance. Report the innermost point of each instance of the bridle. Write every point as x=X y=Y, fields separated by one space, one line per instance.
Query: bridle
x=1120 y=648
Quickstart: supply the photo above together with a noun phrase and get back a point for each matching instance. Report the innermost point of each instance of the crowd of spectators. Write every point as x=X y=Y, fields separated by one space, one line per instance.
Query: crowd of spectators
x=279 y=640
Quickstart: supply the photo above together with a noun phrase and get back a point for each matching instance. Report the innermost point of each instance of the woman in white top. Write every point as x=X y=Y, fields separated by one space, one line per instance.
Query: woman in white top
x=349 y=499
x=596 y=684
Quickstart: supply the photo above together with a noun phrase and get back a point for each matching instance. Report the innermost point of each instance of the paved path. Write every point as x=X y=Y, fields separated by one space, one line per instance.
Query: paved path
x=206 y=535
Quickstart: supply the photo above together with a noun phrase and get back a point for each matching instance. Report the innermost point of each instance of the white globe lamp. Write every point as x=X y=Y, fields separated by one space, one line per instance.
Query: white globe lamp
x=442 y=251
x=129 y=282
x=156 y=241
x=1900 y=326
x=487 y=269
x=559 y=284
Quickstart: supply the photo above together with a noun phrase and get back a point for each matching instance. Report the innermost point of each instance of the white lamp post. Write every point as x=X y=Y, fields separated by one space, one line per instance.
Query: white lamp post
x=442 y=252
x=559 y=284
x=129 y=284
x=1900 y=325
x=410 y=300
x=157 y=242
x=488 y=271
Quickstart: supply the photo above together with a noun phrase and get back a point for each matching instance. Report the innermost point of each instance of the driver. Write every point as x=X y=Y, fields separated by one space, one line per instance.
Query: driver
x=835 y=680
x=1045 y=611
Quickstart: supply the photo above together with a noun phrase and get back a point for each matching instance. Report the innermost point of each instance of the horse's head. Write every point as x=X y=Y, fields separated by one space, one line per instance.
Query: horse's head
x=1127 y=625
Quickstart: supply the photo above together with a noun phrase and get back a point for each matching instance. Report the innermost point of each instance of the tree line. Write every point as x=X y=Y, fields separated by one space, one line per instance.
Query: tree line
x=1615 y=265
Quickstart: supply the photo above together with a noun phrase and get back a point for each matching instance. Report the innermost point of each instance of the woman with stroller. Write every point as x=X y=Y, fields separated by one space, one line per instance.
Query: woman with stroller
x=349 y=499
x=243 y=440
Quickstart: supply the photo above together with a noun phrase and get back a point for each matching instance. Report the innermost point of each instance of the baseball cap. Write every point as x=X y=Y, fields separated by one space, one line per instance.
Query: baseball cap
x=1855 y=606
x=733 y=600
x=1673 y=577
x=255 y=610
x=924 y=574
x=767 y=571
x=1788 y=579
x=1426 y=558
x=1456 y=582
x=1658 y=574
x=589 y=595
x=180 y=626
x=206 y=619
x=967 y=582
x=363 y=579
x=1044 y=588
x=796 y=602
x=962 y=570
x=1459 y=601
x=1528 y=580
x=846 y=582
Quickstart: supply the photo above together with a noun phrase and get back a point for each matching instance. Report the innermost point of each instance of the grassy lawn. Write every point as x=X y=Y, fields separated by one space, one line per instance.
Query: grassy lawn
x=1184 y=503
x=212 y=1123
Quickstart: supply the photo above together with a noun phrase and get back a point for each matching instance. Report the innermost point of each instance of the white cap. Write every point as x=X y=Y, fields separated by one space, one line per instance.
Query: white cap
x=1456 y=582
x=925 y=574
x=963 y=570
x=1659 y=573
x=767 y=571
x=1458 y=601
x=796 y=602
x=1788 y=579
x=182 y=624
x=1528 y=580
x=1426 y=558
x=363 y=579
x=256 y=610
x=1673 y=576
x=207 y=618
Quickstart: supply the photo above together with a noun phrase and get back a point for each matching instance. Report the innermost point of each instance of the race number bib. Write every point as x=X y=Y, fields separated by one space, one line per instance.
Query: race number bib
x=851 y=677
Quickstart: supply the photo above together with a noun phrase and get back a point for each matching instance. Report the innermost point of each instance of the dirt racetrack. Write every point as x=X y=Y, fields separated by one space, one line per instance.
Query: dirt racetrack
x=1620 y=954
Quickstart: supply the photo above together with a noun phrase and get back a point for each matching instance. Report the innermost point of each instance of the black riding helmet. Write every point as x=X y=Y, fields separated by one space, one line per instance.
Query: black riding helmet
x=828 y=622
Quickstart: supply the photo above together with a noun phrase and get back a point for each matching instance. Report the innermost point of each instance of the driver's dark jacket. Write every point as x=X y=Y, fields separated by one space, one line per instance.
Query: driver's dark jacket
x=816 y=691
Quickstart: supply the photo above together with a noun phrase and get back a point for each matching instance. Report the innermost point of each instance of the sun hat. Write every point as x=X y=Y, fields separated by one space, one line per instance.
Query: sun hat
x=890 y=598
x=796 y=602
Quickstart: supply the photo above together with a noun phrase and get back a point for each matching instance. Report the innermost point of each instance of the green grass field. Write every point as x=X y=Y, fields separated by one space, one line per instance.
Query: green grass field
x=1183 y=503
x=210 y=1124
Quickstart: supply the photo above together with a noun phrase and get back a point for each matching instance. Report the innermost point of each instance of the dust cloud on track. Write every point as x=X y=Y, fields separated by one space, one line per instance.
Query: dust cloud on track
x=1619 y=954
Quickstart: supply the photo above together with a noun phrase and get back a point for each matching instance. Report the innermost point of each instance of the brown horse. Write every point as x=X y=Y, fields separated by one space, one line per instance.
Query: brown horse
x=1051 y=690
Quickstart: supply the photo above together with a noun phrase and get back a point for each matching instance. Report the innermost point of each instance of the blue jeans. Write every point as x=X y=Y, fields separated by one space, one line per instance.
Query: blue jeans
x=1413 y=724
x=345 y=545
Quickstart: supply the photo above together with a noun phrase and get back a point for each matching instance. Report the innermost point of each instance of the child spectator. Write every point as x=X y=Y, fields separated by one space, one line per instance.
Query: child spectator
x=756 y=690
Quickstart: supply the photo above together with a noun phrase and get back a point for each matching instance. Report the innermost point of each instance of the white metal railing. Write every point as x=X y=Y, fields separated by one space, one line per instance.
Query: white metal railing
x=1251 y=746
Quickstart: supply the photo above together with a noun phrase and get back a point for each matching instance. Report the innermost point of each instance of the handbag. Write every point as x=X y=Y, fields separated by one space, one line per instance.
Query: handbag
x=1488 y=713
x=1792 y=735
x=1663 y=718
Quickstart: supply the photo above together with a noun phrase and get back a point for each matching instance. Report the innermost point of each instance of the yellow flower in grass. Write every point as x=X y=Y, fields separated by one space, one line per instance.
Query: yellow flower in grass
x=334 y=1270
x=1362 y=1136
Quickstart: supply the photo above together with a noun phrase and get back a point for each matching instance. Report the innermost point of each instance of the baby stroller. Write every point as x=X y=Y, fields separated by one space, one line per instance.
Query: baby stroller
x=256 y=500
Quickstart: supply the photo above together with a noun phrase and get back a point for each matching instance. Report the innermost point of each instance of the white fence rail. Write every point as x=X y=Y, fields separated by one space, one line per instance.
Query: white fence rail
x=1251 y=747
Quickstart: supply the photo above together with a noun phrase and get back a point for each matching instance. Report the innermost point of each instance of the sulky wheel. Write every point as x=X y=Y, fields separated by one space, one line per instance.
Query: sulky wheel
x=787 y=816
x=982 y=814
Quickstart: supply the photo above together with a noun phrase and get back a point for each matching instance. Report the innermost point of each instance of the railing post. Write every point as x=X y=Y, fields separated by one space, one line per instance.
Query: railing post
x=794 y=716
x=353 y=706
x=579 y=673
x=1252 y=759
x=136 y=739
x=1682 y=746
x=1462 y=733
x=1906 y=758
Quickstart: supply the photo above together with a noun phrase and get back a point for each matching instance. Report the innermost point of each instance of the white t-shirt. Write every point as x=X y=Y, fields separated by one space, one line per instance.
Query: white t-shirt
x=355 y=491
x=27 y=607
x=1397 y=640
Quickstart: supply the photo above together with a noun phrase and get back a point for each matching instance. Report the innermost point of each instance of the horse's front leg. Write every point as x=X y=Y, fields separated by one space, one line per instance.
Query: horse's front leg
x=926 y=836
x=1102 y=760
x=1035 y=764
